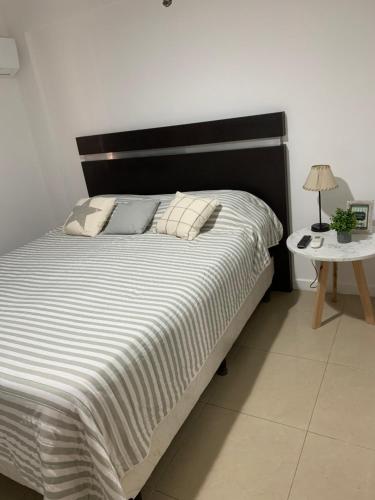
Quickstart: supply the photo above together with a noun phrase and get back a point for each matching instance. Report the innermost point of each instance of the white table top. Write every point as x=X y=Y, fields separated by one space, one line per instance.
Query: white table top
x=362 y=247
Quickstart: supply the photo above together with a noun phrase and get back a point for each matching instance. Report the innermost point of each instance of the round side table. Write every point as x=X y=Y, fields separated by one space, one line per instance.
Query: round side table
x=361 y=248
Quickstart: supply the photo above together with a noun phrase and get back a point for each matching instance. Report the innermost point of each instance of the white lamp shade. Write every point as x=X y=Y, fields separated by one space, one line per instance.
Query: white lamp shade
x=320 y=178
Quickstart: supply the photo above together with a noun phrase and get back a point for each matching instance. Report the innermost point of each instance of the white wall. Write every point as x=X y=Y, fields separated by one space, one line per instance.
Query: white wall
x=24 y=209
x=106 y=65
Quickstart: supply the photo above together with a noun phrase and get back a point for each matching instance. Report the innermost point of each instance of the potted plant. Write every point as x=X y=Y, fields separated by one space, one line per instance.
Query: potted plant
x=343 y=221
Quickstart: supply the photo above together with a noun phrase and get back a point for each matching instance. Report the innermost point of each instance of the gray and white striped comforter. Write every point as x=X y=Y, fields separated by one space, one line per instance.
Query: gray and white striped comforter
x=100 y=337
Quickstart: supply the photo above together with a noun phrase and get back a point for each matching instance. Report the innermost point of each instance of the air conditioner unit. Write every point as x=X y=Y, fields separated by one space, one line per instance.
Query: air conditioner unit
x=9 y=64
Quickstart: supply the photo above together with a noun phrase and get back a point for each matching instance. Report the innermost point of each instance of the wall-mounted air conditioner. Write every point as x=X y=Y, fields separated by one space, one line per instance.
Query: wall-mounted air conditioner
x=9 y=64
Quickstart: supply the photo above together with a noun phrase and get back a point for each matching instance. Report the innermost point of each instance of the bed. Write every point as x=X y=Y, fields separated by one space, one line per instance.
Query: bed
x=107 y=343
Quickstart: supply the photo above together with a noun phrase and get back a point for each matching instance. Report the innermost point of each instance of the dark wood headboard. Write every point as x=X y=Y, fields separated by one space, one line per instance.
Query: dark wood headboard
x=245 y=153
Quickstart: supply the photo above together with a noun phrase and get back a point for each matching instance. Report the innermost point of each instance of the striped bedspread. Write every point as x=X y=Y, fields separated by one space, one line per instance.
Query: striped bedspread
x=100 y=337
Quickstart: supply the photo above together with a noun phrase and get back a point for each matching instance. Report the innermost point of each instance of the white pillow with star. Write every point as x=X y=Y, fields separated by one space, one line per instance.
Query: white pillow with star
x=89 y=216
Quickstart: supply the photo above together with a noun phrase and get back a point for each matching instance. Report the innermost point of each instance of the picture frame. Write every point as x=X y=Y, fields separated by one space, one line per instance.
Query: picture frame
x=363 y=210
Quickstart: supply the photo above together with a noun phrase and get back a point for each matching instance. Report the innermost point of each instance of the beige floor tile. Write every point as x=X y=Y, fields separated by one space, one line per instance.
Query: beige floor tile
x=353 y=307
x=284 y=301
x=354 y=344
x=302 y=300
x=333 y=470
x=289 y=333
x=230 y=359
x=345 y=407
x=155 y=495
x=161 y=496
x=204 y=396
x=229 y=455
x=268 y=385
x=151 y=485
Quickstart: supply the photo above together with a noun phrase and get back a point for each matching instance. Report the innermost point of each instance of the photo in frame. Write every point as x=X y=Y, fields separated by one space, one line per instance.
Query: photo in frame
x=363 y=211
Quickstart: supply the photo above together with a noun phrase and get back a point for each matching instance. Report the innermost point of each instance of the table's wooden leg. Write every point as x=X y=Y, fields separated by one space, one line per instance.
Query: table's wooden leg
x=363 y=291
x=334 y=287
x=320 y=295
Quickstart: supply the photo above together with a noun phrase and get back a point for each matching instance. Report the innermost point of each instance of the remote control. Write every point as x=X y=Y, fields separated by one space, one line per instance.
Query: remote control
x=304 y=241
x=317 y=242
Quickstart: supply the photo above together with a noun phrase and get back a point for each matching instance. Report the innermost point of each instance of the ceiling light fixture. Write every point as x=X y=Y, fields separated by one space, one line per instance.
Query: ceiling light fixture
x=167 y=3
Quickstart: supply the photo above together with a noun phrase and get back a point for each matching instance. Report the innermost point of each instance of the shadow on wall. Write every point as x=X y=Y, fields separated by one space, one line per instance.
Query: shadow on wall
x=336 y=198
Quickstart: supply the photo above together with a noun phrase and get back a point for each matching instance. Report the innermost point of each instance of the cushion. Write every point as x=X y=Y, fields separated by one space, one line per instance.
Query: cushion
x=236 y=211
x=132 y=217
x=186 y=215
x=89 y=216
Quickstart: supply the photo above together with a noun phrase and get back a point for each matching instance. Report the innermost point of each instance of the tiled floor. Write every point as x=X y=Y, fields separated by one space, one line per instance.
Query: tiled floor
x=293 y=420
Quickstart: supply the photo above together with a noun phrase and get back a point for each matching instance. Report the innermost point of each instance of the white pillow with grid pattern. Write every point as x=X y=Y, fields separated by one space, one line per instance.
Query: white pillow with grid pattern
x=186 y=215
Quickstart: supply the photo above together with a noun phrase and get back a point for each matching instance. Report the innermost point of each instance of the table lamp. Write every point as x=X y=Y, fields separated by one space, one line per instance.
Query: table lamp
x=320 y=179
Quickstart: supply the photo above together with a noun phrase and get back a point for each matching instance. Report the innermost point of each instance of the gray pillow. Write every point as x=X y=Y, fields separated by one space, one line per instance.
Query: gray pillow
x=132 y=217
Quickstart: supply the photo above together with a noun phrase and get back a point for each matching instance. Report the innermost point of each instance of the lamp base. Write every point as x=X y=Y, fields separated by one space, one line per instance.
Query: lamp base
x=320 y=227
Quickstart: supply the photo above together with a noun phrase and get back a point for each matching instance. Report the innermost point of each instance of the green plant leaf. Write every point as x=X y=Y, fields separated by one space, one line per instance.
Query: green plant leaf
x=343 y=221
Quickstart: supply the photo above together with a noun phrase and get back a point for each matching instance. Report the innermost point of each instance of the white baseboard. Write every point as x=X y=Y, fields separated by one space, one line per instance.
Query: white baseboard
x=345 y=288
